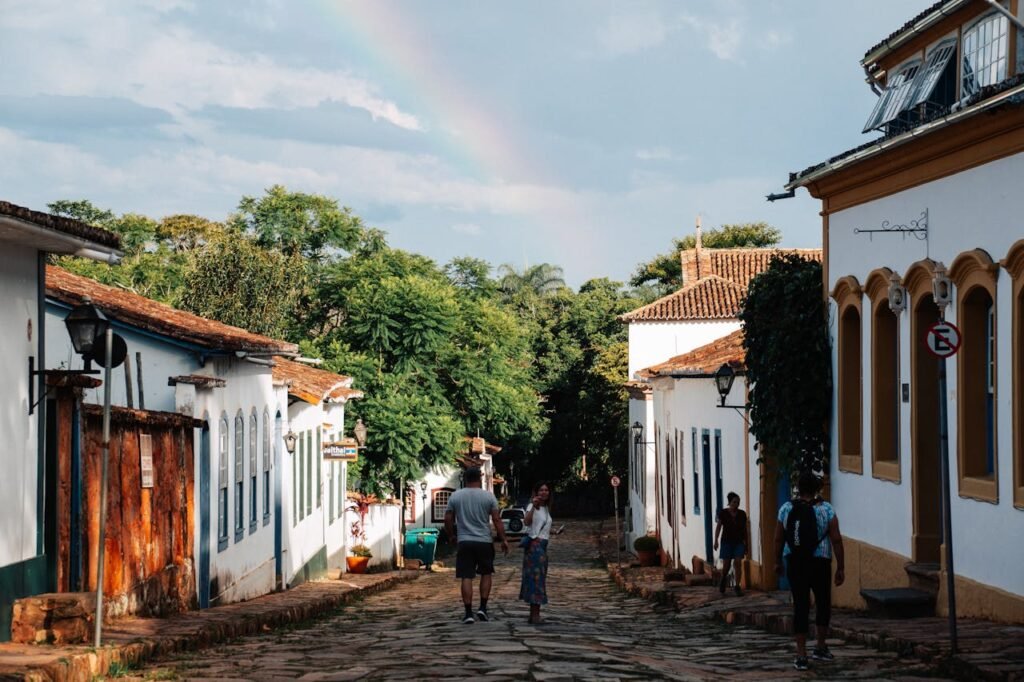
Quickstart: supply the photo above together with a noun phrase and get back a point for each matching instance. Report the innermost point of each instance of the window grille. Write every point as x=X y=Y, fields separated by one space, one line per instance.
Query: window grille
x=928 y=79
x=985 y=48
x=222 y=483
x=266 y=465
x=441 y=498
x=239 y=475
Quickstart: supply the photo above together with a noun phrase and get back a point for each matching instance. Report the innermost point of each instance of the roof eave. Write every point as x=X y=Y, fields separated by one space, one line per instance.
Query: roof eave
x=73 y=244
x=923 y=24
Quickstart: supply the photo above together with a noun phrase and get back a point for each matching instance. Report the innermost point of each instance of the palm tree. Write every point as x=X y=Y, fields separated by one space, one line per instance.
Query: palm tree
x=540 y=280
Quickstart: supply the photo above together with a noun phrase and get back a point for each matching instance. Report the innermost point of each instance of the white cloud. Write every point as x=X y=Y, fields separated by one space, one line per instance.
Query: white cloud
x=658 y=154
x=629 y=33
x=102 y=50
x=723 y=37
x=471 y=229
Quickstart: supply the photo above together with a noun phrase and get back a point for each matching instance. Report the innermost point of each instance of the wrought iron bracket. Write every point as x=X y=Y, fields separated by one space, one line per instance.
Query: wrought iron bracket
x=917 y=228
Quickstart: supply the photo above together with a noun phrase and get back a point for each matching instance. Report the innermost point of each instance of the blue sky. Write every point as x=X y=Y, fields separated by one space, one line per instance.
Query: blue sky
x=583 y=133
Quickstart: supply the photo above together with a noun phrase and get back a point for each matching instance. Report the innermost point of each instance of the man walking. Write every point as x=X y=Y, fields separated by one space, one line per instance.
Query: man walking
x=805 y=537
x=473 y=509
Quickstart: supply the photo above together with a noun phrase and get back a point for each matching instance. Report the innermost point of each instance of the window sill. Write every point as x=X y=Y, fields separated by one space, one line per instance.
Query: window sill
x=266 y=519
x=239 y=534
x=851 y=464
x=222 y=544
x=253 y=526
x=886 y=470
x=981 y=489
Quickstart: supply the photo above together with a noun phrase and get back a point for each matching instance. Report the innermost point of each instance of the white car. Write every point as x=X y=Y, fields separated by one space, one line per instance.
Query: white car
x=513 y=520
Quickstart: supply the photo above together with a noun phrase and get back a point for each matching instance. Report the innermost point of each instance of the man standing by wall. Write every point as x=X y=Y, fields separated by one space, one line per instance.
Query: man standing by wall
x=473 y=509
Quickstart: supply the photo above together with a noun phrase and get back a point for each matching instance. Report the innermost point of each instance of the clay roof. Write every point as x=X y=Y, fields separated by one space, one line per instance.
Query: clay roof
x=706 y=360
x=158 y=318
x=909 y=25
x=313 y=385
x=75 y=228
x=715 y=282
x=711 y=298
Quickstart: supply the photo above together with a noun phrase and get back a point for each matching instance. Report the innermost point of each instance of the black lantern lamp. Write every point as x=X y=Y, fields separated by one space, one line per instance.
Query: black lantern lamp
x=723 y=381
x=638 y=432
x=86 y=327
x=423 y=487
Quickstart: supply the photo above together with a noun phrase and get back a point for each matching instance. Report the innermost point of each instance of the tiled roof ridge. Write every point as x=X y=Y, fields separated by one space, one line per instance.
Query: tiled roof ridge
x=312 y=384
x=680 y=293
x=158 y=317
x=66 y=225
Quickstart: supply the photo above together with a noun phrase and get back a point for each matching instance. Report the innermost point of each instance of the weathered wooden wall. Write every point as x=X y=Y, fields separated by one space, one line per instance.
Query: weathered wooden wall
x=149 y=567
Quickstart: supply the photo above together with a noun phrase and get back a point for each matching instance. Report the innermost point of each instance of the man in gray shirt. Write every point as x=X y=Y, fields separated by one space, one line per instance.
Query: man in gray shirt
x=473 y=509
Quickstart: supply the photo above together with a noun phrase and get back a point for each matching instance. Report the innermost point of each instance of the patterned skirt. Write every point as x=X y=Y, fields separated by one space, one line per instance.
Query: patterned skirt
x=535 y=573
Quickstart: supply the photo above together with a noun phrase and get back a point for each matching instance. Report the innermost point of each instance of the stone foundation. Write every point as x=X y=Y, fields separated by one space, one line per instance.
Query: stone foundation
x=66 y=618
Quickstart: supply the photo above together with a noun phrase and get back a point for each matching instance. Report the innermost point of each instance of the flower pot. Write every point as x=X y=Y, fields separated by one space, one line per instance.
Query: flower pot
x=357 y=564
x=647 y=557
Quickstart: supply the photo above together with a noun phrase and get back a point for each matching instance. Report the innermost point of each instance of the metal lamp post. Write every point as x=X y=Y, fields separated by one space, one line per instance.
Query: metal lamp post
x=423 y=488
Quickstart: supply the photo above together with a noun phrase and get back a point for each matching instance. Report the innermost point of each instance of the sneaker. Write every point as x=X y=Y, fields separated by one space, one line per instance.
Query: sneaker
x=800 y=663
x=468 y=618
x=481 y=615
x=822 y=654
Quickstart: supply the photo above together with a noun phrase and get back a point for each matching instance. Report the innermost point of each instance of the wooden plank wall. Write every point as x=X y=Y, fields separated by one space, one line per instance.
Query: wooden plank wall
x=148 y=568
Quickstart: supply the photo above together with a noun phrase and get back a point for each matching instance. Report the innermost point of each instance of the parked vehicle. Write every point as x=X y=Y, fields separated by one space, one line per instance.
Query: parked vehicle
x=513 y=520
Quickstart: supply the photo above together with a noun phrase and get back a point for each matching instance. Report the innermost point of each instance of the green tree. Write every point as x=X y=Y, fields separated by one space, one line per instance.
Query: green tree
x=236 y=282
x=788 y=360
x=666 y=269
x=296 y=223
x=472 y=275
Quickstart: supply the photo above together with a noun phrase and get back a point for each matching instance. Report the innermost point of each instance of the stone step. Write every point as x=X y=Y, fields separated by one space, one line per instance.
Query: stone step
x=899 y=602
x=923 y=576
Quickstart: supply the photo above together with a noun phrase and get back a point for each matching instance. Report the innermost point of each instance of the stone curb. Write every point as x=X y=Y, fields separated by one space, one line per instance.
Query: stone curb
x=769 y=619
x=82 y=664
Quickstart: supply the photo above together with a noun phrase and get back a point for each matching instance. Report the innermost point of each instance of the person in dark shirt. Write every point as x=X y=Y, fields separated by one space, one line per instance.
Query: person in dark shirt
x=732 y=529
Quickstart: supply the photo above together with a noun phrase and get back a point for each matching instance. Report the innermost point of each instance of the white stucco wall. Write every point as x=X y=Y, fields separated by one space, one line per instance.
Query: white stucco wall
x=641 y=507
x=161 y=359
x=651 y=343
x=19 y=455
x=441 y=477
x=689 y=403
x=977 y=208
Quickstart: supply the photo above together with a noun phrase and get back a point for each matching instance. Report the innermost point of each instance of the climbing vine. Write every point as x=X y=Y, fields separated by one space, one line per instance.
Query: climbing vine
x=787 y=344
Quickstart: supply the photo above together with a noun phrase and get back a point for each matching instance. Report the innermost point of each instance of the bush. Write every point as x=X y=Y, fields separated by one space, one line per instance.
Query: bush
x=646 y=543
x=361 y=550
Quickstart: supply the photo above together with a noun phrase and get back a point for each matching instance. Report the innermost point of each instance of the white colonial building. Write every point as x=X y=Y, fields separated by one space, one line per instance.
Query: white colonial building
x=936 y=194
x=27 y=527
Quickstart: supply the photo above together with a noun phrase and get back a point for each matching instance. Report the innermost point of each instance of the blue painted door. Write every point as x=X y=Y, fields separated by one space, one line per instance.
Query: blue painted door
x=204 y=517
x=278 y=543
x=709 y=546
x=719 y=497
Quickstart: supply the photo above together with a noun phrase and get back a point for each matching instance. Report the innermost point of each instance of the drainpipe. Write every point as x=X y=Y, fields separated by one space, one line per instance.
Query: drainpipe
x=1006 y=13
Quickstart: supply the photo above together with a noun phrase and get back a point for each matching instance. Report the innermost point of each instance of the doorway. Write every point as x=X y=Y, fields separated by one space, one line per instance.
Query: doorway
x=925 y=436
x=204 y=515
x=709 y=547
x=278 y=529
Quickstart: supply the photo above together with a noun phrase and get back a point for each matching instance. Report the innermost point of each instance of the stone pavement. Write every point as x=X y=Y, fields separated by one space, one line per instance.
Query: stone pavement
x=594 y=631
x=986 y=650
x=130 y=642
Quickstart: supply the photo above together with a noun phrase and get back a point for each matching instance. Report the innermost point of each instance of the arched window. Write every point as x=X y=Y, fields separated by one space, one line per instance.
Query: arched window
x=440 y=503
x=223 y=431
x=239 y=476
x=885 y=379
x=253 y=451
x=985 y=49
x=266 y=466
x=974 y=274
x=847 y=294
x=1014 y=264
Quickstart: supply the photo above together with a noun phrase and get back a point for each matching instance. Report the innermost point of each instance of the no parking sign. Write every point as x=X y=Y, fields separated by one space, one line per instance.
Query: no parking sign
x=943 y=339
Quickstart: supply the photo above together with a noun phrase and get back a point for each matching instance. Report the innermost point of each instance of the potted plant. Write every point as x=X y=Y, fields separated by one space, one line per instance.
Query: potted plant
x=361 y=555
x=647 y=547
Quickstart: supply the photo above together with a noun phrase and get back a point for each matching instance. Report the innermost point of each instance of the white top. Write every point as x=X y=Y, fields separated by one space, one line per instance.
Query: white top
x=541 y=526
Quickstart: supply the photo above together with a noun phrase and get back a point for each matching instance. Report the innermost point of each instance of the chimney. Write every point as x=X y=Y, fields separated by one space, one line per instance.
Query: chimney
x=692 y=260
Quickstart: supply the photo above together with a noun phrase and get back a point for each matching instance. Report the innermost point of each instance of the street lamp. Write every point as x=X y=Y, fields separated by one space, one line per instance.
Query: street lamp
x=723 y=381
x=897 y=294
x=423 y=487
x=359 y=431
x=942 y=287
x=86 y=326
x=290 y=440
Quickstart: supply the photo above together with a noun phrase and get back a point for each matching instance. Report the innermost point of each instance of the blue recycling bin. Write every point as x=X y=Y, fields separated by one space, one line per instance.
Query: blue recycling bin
x=421 y=543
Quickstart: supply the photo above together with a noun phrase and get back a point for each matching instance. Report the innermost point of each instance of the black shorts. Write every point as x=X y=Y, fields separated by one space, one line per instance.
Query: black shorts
x=474 y=557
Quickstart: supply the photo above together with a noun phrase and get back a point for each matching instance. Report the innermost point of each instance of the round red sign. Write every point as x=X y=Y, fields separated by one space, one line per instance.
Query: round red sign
x=943 y=339
x=615 y=481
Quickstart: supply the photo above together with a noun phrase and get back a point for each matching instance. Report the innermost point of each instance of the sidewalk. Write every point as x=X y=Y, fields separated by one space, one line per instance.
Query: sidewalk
x=130 y=642
x=987 y=650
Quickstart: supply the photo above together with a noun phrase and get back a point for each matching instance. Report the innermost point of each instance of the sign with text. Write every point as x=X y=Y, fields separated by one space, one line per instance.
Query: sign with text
x=943 y=339
x=615 y=481
x=146 y=459
x=344 y=450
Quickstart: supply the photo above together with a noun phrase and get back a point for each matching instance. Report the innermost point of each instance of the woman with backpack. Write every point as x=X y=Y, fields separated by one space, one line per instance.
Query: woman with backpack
x=806 y=536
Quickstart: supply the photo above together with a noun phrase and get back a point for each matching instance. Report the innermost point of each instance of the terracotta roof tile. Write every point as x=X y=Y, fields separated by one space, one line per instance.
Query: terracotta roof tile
x=477 y=445
x=718 y=293
x=706 y=360
x=313 y=385
x=69 y=226
x=158 y=318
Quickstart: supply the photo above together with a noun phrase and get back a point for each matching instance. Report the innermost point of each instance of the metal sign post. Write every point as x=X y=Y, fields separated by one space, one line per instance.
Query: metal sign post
x=101 y=548
x=943 y=340
x=615 y=491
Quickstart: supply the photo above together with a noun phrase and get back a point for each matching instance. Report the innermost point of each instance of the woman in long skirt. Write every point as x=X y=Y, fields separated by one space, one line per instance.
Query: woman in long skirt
x=535 y=555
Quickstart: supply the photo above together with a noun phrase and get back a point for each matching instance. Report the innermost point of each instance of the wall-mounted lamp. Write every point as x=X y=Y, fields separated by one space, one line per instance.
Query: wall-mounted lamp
x=290 y=440
x=724 y=378
x=359 y=431
x=897 y=294
x=942 y=287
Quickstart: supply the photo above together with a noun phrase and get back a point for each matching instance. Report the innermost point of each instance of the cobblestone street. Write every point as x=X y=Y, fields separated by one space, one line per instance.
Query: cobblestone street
x=594 y=631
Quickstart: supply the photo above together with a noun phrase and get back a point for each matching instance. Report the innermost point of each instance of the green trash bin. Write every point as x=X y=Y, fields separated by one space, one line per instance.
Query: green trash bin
x=421 y=543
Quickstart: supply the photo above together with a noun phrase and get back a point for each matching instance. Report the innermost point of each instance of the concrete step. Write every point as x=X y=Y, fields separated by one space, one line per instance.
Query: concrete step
x=899 y=602
x=924 y=577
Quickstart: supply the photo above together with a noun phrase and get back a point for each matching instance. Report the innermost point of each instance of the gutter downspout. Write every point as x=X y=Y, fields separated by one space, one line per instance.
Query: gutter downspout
x=83 y=247
x=1006 y=13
